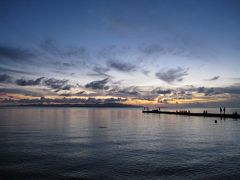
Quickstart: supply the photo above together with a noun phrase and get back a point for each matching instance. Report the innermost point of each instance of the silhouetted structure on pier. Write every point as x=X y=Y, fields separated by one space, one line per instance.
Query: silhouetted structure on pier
x=188 y=113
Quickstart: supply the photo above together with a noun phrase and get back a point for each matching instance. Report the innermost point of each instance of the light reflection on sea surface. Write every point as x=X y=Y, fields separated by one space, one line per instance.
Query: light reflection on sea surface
x=116 y=143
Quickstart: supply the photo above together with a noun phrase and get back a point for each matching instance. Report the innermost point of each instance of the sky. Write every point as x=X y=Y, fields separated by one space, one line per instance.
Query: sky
x=141 y=52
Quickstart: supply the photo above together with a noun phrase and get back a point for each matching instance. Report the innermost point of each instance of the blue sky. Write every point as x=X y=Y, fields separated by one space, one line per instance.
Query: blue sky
x=131 y=47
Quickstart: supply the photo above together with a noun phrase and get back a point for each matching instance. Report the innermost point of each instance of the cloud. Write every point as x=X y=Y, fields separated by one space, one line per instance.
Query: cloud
x=162 y=91
x=4 y=78
x=43 y=100
x=132 y=91
x=171 y=75
x=232 y=90
x=210 y=91
x=107 y=52
x=200 y=89
x=57 y=84
x=145 y=72
x=100 y=71
x=125 y=92
x=76 y=52
x=80 y=93
x=7 y=70
x=50 y=46
x=66 y=64
x=120 y=23
x=98 y=84
x=23 y=82
x=20 y=91
x=62 y=66
x=14 y=54
x=174 y=95
x=121 y=66
x=158 y=50
x=153 y=49
x=213 y=78
x=52 y=83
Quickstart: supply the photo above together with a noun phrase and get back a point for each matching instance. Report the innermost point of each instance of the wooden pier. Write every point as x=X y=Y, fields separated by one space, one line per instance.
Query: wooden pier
x=187 y=113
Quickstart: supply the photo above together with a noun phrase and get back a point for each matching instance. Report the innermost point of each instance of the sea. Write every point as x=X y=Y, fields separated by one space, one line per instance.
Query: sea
x=116 y=143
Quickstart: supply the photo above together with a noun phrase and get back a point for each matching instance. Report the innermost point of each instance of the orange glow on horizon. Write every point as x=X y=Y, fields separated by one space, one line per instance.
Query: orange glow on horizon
x=197 y=98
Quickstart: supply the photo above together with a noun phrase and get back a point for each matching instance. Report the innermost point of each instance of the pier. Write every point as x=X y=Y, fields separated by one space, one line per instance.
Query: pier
x=188 y=113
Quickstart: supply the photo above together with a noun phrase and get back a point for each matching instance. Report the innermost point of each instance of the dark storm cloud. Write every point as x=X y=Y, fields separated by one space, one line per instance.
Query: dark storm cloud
x=213 y=78
x=15 y=54
x=98 y=84
x=4 y=78
x=23 y=82
x=121 y=66
x=171 y=75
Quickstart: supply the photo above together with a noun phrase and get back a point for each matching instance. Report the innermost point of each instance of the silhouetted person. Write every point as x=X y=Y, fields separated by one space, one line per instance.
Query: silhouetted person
x=220 y=110
x=224 y=110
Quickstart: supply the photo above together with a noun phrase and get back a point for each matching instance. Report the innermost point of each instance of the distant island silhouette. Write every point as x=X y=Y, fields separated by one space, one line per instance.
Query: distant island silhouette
x=114 y=105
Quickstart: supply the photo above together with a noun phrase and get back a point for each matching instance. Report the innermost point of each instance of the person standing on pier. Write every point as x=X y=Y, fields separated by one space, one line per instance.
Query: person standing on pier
x=224 y=110
x=220 y=110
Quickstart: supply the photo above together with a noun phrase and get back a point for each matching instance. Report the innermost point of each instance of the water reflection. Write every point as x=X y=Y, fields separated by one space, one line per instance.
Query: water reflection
x=115 y=143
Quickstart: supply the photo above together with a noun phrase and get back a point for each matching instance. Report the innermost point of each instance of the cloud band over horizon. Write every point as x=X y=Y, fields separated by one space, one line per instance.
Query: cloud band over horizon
x=138 y=52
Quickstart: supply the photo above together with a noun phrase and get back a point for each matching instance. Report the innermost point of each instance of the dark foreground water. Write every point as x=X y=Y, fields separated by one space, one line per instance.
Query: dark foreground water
x=108 y=143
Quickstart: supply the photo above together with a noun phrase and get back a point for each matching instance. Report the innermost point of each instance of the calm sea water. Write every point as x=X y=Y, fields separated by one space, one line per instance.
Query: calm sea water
x=116 y=143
